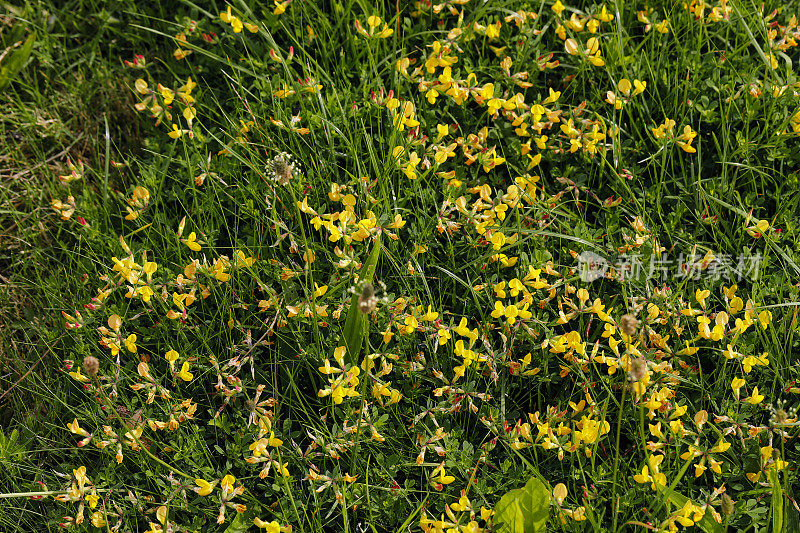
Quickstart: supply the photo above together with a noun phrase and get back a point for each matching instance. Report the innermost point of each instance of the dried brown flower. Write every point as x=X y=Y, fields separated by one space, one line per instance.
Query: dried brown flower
x=628 y=324
x=91 y=365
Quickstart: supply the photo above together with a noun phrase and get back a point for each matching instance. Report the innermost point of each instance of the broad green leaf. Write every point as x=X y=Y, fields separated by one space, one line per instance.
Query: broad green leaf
x=355 y=327
x=15 y=60
x=523 y=510
x=242 y=522
x=777 y=500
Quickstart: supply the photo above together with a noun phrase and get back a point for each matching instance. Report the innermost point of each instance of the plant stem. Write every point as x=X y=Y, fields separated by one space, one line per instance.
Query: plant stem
x=40 y=493
x=615 y=499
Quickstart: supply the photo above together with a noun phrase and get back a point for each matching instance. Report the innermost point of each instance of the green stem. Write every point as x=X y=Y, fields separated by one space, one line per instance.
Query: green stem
x=310 y=288
x=40 y=493
x=615 y=499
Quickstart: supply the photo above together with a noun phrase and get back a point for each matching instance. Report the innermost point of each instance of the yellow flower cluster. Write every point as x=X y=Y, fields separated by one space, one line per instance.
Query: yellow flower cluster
x=346 y=225
x=160 y=100
x=344 y=384
x=684 y=140
x=627 y=91
x=373 y=22
x=236 y=23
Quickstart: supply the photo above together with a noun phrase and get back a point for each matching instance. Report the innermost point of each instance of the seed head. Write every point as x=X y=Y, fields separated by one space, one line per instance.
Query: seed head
x=91 y=365
x=727 y=505
x=282 y=167
x=638 y=369
x=628 y=324
x=781 y=414
x=367 y=301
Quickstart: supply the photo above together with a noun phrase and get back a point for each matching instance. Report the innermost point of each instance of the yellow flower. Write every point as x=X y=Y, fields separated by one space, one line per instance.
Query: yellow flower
x=97 y=519
x=558 y=7
x=499 y=309
x=320 y=291
x=560 y=493
x=430 y=316
x=191 y=242
x=280 y=7
x=130 y=343
x=274 y=441
x=755 y=398
x=141 y=86
x=493 y=30
x=439 y=476
x=171 y=356
x=650 y=472
x=271 y=527
x=74 y=427
x=699 y=468
x=80 y=477
x=92 y=499
x=176 y=132
x=701 y=295
x=328 y=369
x=258 y=447
x=644 y=477
x=78 y=376
x=511 y=313
x=184 y=374
x=684 y=141
x=203 y=488
x=338 y=354
x=179 y=53
x=720 y=447
x=737 y=384
x=498 y=240
x=764 y=318
x=227 y=483
x=226 y=16
x=604 y=15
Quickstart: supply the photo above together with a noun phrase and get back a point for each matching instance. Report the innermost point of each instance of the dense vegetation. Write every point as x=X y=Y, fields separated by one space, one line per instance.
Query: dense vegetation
x=412 y=265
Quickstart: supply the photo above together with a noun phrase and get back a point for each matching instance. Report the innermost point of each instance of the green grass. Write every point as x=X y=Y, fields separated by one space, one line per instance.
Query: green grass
x=210 y=243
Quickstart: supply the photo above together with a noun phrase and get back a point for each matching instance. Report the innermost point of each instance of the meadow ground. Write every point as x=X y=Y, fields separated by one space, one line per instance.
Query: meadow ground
x=408 y=265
